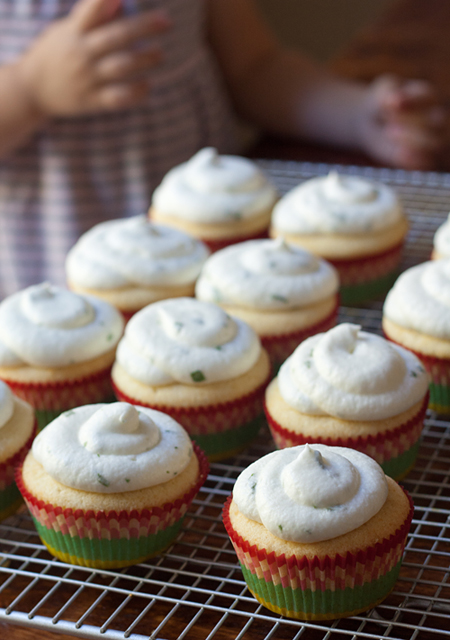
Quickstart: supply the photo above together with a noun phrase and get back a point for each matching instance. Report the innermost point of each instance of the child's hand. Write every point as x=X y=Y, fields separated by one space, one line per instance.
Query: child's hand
x=402 y=123
x=87 y=62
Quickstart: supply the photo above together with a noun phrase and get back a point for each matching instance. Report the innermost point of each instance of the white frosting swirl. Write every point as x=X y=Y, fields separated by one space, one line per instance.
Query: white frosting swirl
x=337 y=204
x=442 y=239
x=213 y=189
x=353 y=375
x=135 y=252
x=187 y=341
x=6 y=404
x=311 y=492
x=45 y=326
x=266 y=274
x=420 y=299
x=112 y=448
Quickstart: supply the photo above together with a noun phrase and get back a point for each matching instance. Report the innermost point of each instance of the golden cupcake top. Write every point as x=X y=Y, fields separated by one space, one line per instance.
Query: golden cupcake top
x=134 y=252
x=16 y=422
x=212 y=188
x=46 y=326
x=352 y=375
x=311 y=493
x=184 y=340
x=337 y=204
x=112 y=448
x=420 y=299
x=266 y=274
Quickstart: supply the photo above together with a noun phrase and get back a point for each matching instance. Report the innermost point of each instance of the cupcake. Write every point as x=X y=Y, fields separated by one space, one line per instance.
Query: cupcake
x=356 y=224
x=319 y=531
x=441 y=241
x=416 y=315
x=108 y=485
x=283 y=292
x=219 y=199
x=133 y=262
x=57 y=348
x=191 y=360
x=353 y=389
x=17 y=430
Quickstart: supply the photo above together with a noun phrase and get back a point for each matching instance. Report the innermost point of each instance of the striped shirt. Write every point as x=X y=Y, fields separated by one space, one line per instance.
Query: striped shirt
x=78 y=172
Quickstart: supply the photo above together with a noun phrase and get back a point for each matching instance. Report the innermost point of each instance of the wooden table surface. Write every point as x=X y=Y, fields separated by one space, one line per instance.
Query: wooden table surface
x=411 y=40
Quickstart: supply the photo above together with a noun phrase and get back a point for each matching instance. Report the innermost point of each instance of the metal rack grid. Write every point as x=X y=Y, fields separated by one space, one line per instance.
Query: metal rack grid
x=196 y=589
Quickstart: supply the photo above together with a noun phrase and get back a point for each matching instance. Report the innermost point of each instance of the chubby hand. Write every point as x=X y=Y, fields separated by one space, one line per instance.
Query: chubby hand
x=402 y=123
x=88 y=61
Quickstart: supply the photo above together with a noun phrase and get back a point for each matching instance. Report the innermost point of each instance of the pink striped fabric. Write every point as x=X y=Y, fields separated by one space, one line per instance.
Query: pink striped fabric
x=79 y=172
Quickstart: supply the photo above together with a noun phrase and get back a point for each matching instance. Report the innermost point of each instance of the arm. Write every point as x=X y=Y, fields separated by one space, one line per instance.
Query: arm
x=84 y=63
x=285 y=93
x=19 y=118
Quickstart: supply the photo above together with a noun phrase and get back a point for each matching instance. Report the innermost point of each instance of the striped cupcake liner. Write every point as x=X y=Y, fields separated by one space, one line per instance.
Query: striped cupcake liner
x=439 y=372
x=10 y=498
x=321 y=588
x=221 y=430
x=51 y=399
x=363 y=279
x=111 y=539
x=280 y=347
x=395 y=450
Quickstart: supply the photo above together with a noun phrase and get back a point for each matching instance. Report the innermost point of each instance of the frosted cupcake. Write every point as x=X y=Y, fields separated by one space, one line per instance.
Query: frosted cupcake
x=57 y=348
x=416 y=315
x=354 y=389
x=196 y=363
x=108 y=485
x=131 y=263
x=219 y=199
x=356 y=224
x=285 y=293
x=17 y=430
x=441 y=241
x=319 y=531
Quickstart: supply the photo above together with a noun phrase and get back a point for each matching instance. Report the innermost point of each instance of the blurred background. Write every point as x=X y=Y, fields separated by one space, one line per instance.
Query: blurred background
x=320 y=27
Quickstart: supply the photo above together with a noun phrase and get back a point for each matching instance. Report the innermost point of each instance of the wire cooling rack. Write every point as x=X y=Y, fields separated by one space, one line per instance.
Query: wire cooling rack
x=196 y=589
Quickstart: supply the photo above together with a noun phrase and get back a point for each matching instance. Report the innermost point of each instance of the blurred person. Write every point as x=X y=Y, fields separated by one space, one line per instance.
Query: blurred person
x=100 y=98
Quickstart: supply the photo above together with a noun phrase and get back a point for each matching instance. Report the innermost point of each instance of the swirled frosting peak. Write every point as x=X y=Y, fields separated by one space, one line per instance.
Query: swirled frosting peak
x=311 y=493
x=420 y=299
x=187 y=341
x=112 y=448
x=337 y=204
x=266 y=274
x=45 y=326
x=353 y=375
x=212 y=188
x=6 y=404
x=442 y=239
x=134 y=252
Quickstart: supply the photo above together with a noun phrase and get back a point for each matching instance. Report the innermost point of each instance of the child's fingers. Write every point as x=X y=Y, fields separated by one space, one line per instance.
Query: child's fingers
x=118 y=96
x=89 y=14
x=125 y=65
x=398 y=97
x=122 y=33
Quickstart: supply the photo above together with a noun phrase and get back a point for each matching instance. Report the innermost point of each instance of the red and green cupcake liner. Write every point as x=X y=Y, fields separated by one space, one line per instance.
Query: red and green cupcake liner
x=321 y=588
x=367 y=278
x=394 y=450
x=50 y=399
x=107 y=540
x=280 y=347
x=222 y=429
x=10 y=498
